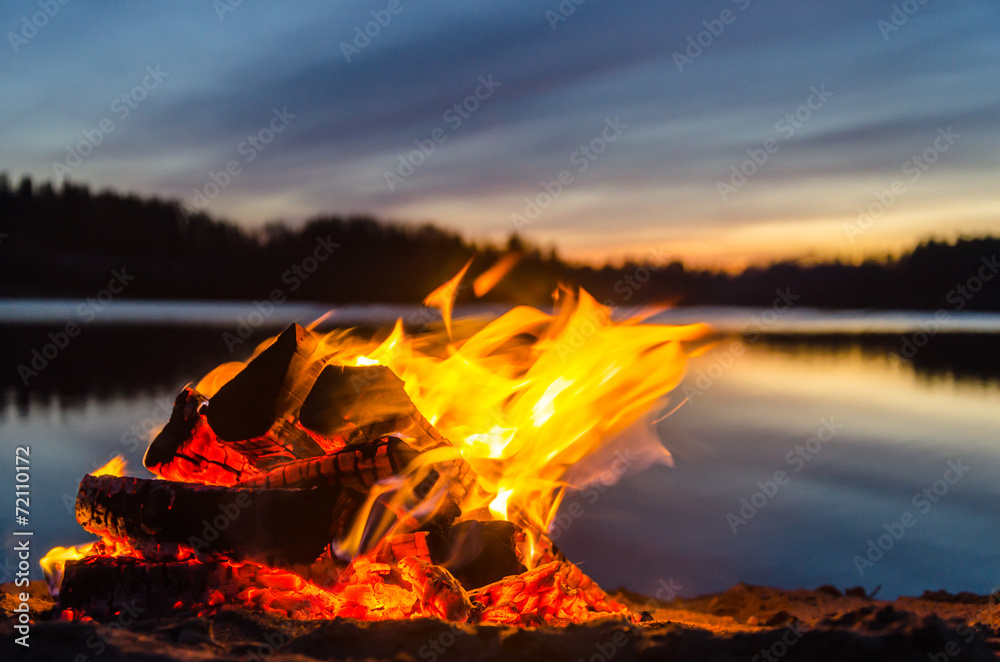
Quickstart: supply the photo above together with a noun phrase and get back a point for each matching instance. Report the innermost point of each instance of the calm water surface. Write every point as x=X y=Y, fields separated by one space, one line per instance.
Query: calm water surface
x=741 y=441
x=894 y=431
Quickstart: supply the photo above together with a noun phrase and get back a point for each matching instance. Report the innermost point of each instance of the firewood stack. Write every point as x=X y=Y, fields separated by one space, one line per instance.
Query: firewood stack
x=257 y=483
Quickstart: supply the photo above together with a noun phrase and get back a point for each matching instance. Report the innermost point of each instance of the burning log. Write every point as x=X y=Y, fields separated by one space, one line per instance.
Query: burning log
x=101 y=586
x=506 y=600
x=361 y=467
x=287 y=420
x=254 y=412
x=274 y=526
x=104 y=585
x=271 y=386
x=358 y=404
x=355 y=467
x=188 y=450
x=574 y=578
x=287 y=404
x=478 y=553
x=294 y=452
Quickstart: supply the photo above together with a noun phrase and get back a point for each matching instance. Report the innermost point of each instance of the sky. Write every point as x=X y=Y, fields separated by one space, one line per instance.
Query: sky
x=721 y=132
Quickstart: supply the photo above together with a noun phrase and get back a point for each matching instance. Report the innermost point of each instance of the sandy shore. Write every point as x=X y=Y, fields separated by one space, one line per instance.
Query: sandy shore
x=744 y=623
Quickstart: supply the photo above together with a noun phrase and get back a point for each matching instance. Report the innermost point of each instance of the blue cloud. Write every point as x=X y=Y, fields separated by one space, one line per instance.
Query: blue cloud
x=354 y=118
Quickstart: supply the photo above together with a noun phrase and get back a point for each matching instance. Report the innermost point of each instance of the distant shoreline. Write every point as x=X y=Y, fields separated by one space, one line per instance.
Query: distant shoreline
x=72 y=243
x=748 y=320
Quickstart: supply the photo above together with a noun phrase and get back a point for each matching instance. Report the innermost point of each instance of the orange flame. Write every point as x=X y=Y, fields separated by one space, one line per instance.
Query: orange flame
x=525 y=397
x=54 y=563
x=443 y=298
x=114 y=467
x=487 y=280
x=529 y=395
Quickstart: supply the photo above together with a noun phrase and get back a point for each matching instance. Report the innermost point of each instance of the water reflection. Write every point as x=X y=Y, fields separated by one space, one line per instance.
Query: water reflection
x=108 y=362
x=892 y=425
x=892 y=428
x=966 y=357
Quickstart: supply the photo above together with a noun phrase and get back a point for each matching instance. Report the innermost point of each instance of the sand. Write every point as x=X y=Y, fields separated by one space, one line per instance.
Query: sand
x=747 y=623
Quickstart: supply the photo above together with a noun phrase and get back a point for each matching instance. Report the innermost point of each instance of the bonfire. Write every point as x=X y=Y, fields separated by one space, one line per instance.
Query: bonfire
x=405 y=475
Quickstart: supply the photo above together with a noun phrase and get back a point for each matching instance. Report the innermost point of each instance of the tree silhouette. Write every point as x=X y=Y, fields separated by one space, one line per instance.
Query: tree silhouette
x=65 y=242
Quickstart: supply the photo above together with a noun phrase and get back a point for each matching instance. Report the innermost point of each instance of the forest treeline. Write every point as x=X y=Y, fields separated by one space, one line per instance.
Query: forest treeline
x=67 y=242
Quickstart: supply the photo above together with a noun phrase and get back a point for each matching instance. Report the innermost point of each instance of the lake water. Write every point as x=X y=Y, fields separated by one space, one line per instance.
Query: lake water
x=804 y=444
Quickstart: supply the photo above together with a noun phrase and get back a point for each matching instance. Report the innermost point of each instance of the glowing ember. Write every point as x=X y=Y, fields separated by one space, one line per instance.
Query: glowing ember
x=430 y=448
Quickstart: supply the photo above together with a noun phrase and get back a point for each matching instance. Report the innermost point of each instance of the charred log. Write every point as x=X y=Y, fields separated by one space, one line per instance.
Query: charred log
x=358 y=404
x=287 y=405
x=273 y=526
x=102 y=586
x=183 y=418
x=478 y=553
x=188 y=450
x=253 y=412
x=248 y=404
x=358 y=468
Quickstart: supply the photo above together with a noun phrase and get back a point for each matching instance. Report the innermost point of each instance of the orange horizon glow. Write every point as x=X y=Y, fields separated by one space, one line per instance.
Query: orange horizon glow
x=810 y=221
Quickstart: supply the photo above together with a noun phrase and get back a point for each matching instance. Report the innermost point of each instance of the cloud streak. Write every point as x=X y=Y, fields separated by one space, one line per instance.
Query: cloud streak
x=354 y=119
